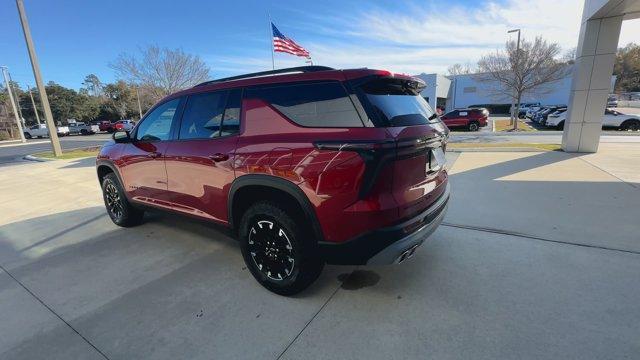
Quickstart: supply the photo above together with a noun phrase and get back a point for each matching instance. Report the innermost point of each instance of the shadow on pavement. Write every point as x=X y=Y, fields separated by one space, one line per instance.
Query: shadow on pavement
x=531 y=195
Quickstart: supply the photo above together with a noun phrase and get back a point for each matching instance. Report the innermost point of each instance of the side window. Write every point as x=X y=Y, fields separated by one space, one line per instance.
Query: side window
x=157 y=125
x=203 y=115
x=463 y=113
x=313 y=104
x=231 y=118
x=451 y=114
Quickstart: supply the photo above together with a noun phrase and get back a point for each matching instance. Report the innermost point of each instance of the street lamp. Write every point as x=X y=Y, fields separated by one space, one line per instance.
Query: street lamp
x=514 y=116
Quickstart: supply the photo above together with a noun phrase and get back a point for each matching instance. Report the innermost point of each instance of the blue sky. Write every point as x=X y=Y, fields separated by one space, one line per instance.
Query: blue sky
x=75 y=38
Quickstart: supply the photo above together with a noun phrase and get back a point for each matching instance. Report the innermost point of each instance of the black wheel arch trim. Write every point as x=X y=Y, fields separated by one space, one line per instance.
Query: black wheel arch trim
x=113 y=168
x=279 y=184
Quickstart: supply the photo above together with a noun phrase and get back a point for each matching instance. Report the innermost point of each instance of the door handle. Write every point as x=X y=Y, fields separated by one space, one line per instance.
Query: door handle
x=153 y=154
x=219 y=157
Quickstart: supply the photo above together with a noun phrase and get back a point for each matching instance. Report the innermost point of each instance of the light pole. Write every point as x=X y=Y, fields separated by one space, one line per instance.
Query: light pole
x=35 y=109
x=139 y=106
x=51 y=126
x=515 y=112
x=13 y=103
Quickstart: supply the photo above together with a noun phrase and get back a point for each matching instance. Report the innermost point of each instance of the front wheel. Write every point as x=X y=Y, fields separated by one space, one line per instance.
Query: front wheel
x=473 y=126
x=27 y=135
x=560 y=126
x=278 y=250
x=121 y=212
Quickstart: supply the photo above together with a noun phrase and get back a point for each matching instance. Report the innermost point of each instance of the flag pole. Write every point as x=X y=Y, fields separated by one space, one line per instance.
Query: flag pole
x=273 y=61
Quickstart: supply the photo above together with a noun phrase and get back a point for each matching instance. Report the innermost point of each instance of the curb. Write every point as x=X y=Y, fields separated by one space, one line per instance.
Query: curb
x=498 y=149
x=35 y=158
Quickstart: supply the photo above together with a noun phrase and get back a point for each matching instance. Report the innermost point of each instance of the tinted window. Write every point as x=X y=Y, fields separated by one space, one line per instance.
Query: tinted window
x=397 y=102
x=451 y=114
x=231 y=118
x=203 y=115
x=314 y=105
x=157 y=125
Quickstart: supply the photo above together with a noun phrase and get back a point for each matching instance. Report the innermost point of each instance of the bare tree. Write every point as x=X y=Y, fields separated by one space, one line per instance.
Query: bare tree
x=534 y=69
x=161 y=70
x=459 y=69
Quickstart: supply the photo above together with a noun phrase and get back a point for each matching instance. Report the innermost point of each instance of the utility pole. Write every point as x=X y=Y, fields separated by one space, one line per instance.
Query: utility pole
x=51 y=126
x=517 y=107
x=17 y=99
x=13 y=103
x=35 y=109
x=139 y=106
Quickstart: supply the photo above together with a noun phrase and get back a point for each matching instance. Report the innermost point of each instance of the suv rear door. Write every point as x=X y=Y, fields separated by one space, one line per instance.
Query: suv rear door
x=199 y=161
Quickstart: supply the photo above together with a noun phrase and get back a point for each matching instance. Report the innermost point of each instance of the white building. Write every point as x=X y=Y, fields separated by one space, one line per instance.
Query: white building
x=462 y=91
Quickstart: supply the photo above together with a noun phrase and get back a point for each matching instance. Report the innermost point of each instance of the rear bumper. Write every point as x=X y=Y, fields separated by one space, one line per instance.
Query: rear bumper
x=389 y=245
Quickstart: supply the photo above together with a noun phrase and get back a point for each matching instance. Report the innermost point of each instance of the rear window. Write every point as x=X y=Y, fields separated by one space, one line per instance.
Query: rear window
x=311 y=104
x=396 y=102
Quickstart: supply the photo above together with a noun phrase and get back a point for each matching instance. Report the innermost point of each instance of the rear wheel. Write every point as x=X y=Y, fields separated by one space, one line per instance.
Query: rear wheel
x=630 y=125
x=83 y=132
x=473 y=126
x=560 y=125
x=278 y=250
x=27 y=135
x=121 y=212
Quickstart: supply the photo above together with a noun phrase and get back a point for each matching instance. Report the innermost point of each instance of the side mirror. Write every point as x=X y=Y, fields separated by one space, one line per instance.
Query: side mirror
x=121 y=137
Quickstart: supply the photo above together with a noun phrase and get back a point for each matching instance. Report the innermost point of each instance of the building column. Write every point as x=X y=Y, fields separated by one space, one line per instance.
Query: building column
x=591 y=83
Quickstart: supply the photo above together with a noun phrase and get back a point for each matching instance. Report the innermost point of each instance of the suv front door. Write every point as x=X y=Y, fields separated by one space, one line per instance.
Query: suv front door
x=200 y=162
x=142 y=162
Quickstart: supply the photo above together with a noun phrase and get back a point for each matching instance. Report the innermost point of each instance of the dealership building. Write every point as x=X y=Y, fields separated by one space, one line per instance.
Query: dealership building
x=468 y=90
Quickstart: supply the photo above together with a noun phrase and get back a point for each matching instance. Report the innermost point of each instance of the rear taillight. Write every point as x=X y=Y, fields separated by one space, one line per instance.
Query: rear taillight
x=375 y=155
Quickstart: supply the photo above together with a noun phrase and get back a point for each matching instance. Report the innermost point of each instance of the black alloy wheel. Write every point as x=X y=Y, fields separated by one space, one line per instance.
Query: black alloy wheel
x=279 y=248
x=114 y=201
x=271 y=250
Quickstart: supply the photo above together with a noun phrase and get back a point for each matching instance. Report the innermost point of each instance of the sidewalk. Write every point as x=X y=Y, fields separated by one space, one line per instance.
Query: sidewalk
x=538 y=259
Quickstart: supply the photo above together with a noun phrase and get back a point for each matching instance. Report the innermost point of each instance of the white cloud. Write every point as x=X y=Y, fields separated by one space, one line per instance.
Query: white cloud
x=429 y=38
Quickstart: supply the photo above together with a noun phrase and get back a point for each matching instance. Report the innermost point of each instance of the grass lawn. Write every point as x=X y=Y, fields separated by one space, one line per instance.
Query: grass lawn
x=505 y=125
x=549 y=147
x=71 y=154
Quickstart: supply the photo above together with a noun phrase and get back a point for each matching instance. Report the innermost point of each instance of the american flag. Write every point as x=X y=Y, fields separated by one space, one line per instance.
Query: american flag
x=283 y=44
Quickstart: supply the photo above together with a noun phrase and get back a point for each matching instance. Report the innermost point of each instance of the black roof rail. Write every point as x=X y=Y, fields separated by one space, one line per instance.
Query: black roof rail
x=302 y=69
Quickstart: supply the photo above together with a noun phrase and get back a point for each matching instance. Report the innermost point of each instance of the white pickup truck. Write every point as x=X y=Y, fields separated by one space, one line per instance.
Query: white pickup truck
x=82 y=128
x=40 y=131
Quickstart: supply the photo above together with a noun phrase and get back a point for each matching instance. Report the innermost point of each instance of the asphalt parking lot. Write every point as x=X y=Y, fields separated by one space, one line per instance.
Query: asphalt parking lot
x=538 y=259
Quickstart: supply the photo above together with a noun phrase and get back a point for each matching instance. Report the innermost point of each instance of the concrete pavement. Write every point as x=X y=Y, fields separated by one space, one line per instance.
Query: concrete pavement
x=539 y=259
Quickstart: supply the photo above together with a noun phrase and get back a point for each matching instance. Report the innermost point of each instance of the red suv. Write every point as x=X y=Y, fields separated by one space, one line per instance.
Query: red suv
x=470 y=119
x=306 y=166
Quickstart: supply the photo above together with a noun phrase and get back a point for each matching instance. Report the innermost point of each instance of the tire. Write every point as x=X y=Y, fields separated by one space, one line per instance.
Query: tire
x=630 y=125
x=84 y=132
x=110 y=130
x=27 y=135
x=267 y=235
x=473 y=126
x=560 y=125
x=121 y=212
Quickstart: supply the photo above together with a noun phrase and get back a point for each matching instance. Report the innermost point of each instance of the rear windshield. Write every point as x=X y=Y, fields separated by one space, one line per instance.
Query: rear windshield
x=396 y=102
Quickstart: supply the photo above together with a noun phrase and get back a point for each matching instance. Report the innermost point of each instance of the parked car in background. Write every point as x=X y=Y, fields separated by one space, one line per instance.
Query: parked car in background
x=40 y=131
x=522 y=112
x=470 y=119
x=106 y=126
x=303 y=171
x=556 y=120
x=80 y=128
x=612 y=119
x=124 y=125
x=618 y=120
x=540 y=117
x=612 y=101
x=532 y=110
